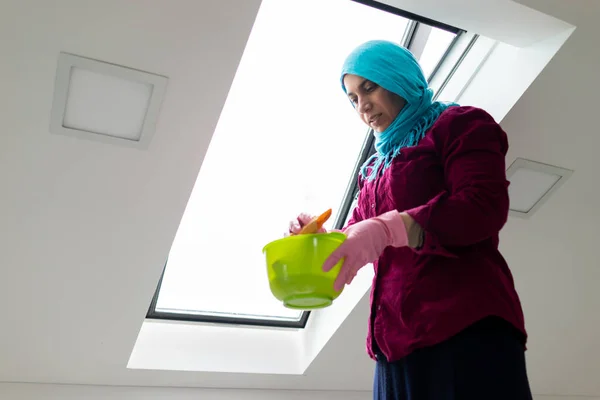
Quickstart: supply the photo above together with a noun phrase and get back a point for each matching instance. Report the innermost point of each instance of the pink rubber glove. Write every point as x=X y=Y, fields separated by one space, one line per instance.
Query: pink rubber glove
x=365 y=242
x=297 y=224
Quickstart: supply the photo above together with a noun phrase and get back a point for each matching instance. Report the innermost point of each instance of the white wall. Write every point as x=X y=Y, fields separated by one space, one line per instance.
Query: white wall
x=16 y=391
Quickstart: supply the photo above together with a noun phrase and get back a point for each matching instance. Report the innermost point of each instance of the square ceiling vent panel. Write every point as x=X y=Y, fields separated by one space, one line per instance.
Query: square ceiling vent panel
x=105 y=102
x=531 y=184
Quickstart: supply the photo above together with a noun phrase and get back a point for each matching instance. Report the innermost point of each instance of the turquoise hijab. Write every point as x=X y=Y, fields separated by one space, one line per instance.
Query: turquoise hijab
x=395 y=69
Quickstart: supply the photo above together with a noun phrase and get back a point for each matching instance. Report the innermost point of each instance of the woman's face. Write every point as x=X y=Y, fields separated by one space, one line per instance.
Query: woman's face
x=376 y=106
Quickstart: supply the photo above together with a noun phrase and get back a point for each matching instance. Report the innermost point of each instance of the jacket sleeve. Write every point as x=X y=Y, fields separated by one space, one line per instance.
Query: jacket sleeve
x=474 y=206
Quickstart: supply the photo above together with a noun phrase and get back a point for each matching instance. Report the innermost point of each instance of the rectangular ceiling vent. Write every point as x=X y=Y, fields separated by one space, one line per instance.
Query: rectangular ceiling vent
x=531 y=184
x=105 y=102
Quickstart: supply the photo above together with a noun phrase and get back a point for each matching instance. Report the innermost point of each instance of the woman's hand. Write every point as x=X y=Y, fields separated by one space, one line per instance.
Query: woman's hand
x=365 y=242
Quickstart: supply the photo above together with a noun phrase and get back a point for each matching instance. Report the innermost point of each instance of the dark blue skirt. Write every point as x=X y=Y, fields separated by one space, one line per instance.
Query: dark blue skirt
x=484 y=362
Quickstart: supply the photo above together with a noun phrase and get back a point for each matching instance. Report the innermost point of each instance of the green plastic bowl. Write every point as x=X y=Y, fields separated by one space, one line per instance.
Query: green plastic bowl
x=294 y=267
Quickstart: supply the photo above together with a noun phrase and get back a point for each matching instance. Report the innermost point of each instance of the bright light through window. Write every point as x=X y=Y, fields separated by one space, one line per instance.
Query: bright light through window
x=287 y=141
x=434 y=49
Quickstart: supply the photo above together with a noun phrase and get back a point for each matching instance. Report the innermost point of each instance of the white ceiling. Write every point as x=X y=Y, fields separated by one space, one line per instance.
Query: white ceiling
x=86 y=226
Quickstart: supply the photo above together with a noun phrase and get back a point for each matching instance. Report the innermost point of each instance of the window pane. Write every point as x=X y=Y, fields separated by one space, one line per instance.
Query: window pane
x=287 y=141
x=436 y=45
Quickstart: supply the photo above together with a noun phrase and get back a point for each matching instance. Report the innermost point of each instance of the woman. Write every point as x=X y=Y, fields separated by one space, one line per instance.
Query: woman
x=446 y=321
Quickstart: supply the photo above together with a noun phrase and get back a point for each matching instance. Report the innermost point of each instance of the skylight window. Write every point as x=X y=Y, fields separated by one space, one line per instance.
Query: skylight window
x=435 y=47
x=287 y=141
